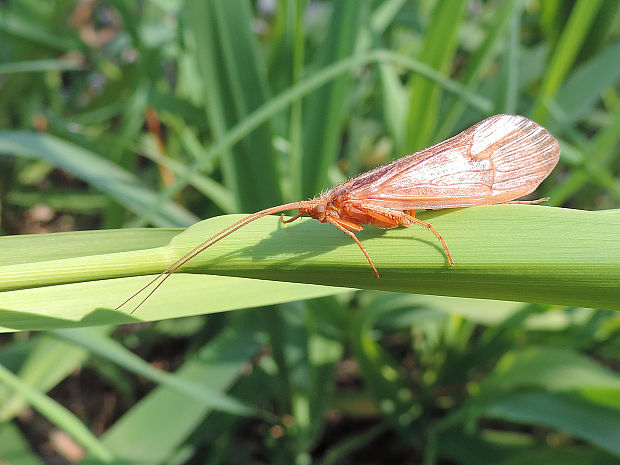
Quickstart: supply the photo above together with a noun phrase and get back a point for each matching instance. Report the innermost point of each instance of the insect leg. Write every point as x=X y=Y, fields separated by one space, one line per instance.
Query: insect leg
x=381 y=219
x=349 y=224
x=290 y=220
x=405 y=219
x=354 y=237
x=429 y=226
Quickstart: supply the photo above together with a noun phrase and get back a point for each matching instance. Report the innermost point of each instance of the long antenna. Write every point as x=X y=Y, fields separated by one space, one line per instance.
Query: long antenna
x=202 y=247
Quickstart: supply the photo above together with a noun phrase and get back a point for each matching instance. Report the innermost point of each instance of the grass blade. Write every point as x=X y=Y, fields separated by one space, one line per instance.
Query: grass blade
x=58 y=415
x=324 y=108
x=236 y=86
x=504 y=252
x=108 y=177
x=582 y=15
x=438 y=51
x=100 y=344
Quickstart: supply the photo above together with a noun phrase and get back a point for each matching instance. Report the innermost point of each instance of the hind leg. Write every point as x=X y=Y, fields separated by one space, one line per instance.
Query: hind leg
x=392 y=218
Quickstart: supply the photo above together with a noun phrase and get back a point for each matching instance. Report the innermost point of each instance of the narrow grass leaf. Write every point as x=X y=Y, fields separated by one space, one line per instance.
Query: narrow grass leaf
x=50 y=362
x=37 y=66
x=119 y=184
x=568 y=47
x=28 y=248
x=92 y=303
x=58 y=415
x=555 y=369
x=155 y=427
x=394 y=100
x=553 y=455
x=102 y=345
x=212 y=190
x=228 y=60
x=508 y=90
x=583 y=88
x=22 y=25
x=478 y=63
x=15 y=448
x=438 y=50
x=595 y=156
x=324 y=108
x=598 y=425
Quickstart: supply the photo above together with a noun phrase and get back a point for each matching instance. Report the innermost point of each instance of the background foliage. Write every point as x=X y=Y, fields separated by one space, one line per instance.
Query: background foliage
x=119 y=114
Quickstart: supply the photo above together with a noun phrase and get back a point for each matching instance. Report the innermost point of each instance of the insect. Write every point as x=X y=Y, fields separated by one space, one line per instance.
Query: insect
x=497 y=160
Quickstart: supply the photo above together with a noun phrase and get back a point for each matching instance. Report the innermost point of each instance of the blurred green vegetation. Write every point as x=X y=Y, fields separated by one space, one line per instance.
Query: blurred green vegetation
x=115 y=115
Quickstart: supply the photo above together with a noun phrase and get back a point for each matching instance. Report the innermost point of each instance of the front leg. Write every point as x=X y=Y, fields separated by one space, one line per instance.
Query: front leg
x=290 y=220
x=342 y=225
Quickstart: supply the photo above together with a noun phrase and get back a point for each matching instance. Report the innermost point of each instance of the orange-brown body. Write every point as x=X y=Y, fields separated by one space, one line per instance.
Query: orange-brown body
x=349 y=214
x=352 y=214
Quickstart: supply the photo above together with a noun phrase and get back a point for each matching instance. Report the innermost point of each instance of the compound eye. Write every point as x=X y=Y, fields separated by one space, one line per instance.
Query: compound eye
x=320 y=208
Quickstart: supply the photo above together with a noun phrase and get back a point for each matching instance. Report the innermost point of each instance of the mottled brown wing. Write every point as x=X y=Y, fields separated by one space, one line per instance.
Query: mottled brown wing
x=499 y=159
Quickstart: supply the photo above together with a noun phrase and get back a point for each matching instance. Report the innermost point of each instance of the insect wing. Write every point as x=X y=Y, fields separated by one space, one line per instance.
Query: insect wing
x=499 y=159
